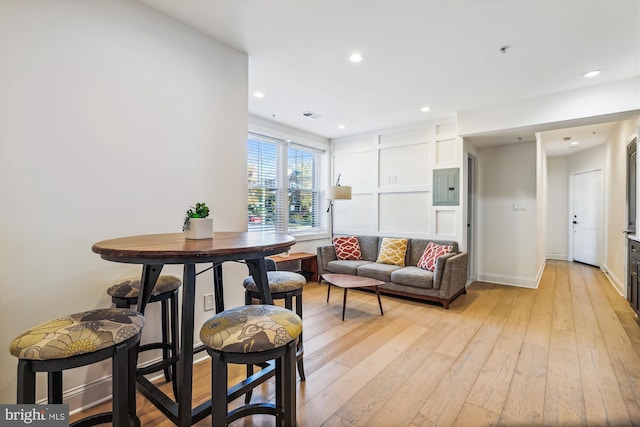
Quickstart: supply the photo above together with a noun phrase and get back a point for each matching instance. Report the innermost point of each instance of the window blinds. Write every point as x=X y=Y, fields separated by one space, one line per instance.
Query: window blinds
x=285 y=181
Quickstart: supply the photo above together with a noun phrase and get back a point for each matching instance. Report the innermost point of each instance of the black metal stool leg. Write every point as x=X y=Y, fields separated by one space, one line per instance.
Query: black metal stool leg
x=26 y=383
x=280 y=390
x=248 y=300
x=300 y=345
x=289 y=380
x=131 y=383
x=120 y=364
x=164 y=304
x=175 y=339
x=54 y=387
x=218 y=390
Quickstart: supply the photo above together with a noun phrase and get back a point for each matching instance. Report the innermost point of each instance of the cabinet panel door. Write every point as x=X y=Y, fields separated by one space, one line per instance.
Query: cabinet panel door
x=634 y=287
x=634 y=272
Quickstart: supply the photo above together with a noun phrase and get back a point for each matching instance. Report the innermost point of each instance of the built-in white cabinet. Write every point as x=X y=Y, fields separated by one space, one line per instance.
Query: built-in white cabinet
x=632 y=280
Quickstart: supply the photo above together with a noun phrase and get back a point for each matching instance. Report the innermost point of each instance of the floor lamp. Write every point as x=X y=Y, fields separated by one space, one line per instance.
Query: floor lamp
x=336 y=192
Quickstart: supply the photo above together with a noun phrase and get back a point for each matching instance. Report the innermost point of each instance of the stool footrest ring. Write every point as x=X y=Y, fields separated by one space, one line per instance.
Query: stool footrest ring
x=253 y=409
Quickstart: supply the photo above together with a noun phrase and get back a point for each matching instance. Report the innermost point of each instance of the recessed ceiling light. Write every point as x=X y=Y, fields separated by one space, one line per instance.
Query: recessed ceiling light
x=574 y=143
x=592 y=73
x=355 y=57
x=341 y=126
x=425 y=109
x=258 y=94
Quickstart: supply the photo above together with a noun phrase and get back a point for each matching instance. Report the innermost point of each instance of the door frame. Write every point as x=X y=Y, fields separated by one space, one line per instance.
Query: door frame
x=471 y=217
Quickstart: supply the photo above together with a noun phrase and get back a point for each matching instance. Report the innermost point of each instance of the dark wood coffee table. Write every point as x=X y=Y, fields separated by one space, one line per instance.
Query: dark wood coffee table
x=347 y=281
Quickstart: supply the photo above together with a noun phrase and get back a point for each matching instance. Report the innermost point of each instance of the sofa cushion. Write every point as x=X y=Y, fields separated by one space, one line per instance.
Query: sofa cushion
x=392 y=251
x=347 y=248
x=378 y=271
x=346 y=266
x=413 y=276
x=369 y=247
x=431 y=254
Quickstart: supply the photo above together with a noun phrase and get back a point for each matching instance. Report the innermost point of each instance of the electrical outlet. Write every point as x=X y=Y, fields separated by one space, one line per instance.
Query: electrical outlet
x=208 y=302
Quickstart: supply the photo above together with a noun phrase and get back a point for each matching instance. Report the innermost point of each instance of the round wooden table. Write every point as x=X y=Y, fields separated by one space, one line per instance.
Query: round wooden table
x=153 y=251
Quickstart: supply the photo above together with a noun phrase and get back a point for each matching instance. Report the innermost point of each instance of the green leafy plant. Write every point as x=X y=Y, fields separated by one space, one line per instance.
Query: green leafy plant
x=199 y=211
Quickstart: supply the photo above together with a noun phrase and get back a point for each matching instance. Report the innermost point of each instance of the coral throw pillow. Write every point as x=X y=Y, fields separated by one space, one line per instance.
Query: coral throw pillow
x=431 y=254
x=347 y=248
x=392 y=251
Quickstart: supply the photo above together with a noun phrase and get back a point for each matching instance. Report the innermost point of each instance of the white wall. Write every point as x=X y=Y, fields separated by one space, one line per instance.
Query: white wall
x=390 y=172
x=557 y=208
x=592 y=101
x=541 y=207
x=115 y=119
x=507 y=240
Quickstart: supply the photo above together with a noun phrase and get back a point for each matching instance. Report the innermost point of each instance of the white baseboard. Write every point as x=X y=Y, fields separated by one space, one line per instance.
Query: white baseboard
x=615 y=282
x=522 y=282
x=519 y=281
x=559 y=257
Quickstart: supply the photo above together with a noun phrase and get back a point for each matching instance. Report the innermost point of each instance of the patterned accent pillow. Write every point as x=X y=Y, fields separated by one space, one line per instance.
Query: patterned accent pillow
x=431 y=254
x=392 y=251
x=347 y=248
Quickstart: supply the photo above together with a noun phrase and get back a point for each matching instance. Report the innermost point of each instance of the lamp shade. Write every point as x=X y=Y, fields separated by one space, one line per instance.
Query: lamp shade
x=339 y=192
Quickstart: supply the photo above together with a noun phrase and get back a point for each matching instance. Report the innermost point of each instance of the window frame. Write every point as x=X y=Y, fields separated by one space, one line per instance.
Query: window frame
x=282 y=188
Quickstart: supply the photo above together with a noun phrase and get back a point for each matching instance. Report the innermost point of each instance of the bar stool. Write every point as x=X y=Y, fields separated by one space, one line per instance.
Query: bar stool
x=283 y=285
x=253 y=334
x=125 y=294
x=78 y=340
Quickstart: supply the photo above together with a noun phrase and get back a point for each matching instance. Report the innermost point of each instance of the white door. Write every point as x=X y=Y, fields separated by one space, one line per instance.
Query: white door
x=587 y=217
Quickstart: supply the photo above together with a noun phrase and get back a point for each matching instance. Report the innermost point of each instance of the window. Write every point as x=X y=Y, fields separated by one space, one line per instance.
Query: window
x=285 y=184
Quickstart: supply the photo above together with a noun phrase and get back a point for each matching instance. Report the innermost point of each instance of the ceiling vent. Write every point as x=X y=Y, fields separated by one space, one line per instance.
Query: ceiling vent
x=311 y=115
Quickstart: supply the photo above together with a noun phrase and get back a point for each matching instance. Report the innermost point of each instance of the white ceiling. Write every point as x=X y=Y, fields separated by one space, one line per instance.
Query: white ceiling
x=443 y=54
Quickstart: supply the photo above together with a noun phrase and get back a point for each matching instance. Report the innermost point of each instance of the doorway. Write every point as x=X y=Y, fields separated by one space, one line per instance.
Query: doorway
x=631 y=186
x=587 y=217
x=471 y=217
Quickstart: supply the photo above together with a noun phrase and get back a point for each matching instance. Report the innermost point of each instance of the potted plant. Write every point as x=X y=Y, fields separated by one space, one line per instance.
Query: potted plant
x=196 y=224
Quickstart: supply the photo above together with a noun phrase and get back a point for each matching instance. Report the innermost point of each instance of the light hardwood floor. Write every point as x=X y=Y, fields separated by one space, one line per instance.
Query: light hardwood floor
x=567 y=353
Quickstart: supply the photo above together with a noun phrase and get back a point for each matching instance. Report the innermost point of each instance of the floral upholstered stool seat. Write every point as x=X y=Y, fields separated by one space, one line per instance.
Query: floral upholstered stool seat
x=253 y=334
x=78 y=340
x=283 y=285
x=125 y=294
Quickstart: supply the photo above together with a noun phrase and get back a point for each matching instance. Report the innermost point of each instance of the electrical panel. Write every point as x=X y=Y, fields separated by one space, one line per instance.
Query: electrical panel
x=446 y=187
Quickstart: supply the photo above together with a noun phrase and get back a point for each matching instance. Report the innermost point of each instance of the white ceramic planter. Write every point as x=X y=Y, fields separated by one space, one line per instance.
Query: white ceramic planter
x=200 y=228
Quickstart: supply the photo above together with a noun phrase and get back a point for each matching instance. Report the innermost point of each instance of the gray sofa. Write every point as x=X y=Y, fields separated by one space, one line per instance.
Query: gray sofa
x=442 y=285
